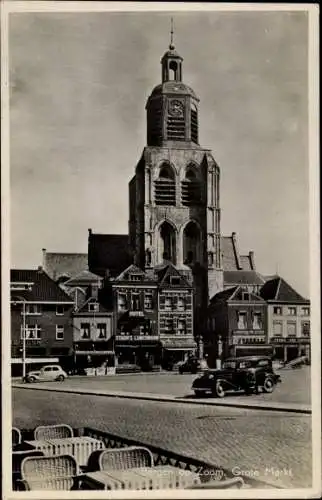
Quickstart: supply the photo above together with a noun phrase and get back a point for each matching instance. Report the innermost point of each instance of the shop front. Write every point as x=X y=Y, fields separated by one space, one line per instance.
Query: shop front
x=289 y=348
x=175 y=350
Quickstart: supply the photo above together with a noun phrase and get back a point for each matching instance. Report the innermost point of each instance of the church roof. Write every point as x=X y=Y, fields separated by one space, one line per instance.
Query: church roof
x=242 y=278
x=278 y=290
x=85 y=277
x=231 y=258
x=108 y=253
x=57 y=264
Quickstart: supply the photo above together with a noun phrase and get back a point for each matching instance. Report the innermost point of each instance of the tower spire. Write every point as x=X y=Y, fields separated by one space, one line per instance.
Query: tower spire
x=171 y=46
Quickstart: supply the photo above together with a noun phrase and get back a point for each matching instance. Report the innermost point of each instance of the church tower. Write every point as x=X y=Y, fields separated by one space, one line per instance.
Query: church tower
x=174 y=195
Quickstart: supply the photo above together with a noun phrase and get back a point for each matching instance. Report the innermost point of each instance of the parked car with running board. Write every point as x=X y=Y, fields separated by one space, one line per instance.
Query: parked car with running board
x=249 y=374
x=46 y=373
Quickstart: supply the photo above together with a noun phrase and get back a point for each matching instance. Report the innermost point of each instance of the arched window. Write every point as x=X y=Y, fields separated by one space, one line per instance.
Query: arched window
x=165 y=186
x=168 y=242
x=191 y=243
x=190 y=188
x=173 y=67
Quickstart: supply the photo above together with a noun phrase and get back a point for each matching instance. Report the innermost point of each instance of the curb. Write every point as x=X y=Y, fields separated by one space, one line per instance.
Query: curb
x=281 y=407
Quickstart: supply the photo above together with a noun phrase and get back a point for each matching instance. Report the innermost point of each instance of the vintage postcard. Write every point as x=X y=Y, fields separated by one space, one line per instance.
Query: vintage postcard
x=160 y=243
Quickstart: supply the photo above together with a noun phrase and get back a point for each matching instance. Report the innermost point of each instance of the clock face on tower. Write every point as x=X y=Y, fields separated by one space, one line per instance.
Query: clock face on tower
x=176 y=108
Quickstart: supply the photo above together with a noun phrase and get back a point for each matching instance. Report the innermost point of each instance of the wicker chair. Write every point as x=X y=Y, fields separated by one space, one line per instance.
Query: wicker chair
x=234 y=482
x=16 y=436
x=48 y=473
x=17 y=458
x=120 y=458
x=60 y=431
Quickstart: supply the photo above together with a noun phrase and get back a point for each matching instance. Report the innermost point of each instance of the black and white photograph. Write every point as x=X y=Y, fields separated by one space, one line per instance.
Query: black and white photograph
x=160 y=250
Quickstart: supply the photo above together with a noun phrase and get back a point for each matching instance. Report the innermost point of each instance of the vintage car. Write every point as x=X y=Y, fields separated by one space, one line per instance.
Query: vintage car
x=191 y=365
x=247 y=374
x=46 y=373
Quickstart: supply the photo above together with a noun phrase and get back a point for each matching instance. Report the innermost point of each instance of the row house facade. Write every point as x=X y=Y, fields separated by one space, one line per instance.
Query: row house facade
x=237 y=325
x=288 y=317
x=40 y=315
x=93 y=345
x=153 y=316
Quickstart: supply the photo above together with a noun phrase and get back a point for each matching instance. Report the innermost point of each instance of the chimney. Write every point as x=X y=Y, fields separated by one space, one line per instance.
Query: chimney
x=40 y=269
x=89 y=232
x=252 y=260
x=44 y=257
x=234 y=238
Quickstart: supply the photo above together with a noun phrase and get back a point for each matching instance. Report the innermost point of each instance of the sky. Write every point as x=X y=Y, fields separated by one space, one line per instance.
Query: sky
x=78 y=88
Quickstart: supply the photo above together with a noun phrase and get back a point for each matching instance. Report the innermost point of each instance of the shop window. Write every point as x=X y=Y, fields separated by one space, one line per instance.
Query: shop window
x=257 y=321
x=59 y=332
x=305 y=311
x=181 y=330
x=241 y=320
x=33 y=309
x=101 y=330
x=33 y=332
x=278 y=328
x=305 y=328
x=85 y=330
x=181 y=304
x=169 y=325
x=291 y=329
x=135 y=298
x=277 y=310
x=291 y=311
x=148 y=303
x=168 y=304
x=60 y=310
x=121 y=302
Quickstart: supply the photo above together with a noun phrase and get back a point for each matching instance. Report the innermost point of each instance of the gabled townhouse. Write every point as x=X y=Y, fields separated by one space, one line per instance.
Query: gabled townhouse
x=135 y=313
x=288 y=318
x=237 y=323
x=175 y=314
x=40 y=315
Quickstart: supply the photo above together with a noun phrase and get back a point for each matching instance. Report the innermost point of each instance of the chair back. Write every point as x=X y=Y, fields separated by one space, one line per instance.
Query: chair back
x=125 y=458
x=49 y=473
x=59 y=431
x=16 y=436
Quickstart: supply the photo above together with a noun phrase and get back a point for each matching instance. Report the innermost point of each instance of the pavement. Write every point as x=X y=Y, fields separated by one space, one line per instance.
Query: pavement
x=248 y=402
x=271 y=446
x=292 y=395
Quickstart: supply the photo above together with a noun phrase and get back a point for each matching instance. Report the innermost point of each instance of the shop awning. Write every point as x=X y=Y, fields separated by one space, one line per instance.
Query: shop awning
x=16 y=361
x=93 y=353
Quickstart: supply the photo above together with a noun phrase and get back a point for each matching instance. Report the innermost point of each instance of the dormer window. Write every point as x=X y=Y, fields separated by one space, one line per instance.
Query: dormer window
x=93 y=307
x=175 y=280
x=135 y=277
x=59 y=310
x=33 y=309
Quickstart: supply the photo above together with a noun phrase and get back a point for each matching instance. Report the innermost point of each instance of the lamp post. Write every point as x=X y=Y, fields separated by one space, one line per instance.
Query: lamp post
x=23 y=301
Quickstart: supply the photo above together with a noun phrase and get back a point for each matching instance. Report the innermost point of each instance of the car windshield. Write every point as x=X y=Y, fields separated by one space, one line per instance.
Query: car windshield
x=229 y=364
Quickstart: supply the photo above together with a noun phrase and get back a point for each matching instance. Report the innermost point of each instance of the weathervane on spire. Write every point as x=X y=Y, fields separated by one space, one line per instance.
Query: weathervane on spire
x=171 y=46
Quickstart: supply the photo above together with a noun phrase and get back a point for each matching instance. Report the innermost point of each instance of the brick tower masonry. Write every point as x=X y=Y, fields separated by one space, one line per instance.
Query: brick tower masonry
x=174 y=194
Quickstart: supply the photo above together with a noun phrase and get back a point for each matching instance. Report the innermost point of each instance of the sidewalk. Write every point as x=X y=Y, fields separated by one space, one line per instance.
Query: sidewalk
x=229 y=402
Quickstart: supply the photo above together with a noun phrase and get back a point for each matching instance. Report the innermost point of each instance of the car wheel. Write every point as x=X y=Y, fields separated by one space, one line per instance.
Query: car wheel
x=268 y=385
x=219 y=391
x=31 y=379
x=60 y=378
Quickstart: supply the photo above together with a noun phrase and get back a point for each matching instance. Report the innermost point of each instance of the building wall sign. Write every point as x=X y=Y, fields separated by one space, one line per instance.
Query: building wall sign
x=131 y=338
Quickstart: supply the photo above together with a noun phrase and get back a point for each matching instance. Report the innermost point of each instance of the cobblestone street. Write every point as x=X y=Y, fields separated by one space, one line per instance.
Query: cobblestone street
x=276 y=447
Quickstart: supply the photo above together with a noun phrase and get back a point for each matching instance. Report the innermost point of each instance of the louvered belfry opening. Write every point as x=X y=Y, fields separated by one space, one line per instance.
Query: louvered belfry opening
x=176 y=128
x=194 y=124
x=190 y=189
x=165 y=187
x=154 y=123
